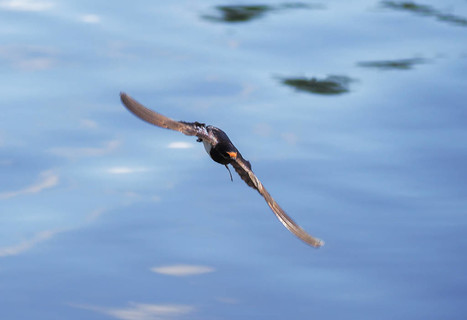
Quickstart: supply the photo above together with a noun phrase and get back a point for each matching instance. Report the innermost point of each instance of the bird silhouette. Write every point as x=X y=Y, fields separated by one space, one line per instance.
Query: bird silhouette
x=221 y=150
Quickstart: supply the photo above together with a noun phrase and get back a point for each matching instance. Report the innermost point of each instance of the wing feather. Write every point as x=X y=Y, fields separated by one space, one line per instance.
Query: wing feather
x=243 y=168
x=157 y=119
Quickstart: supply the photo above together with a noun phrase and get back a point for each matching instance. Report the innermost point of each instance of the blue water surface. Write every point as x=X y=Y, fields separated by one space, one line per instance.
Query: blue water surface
x=352 y=113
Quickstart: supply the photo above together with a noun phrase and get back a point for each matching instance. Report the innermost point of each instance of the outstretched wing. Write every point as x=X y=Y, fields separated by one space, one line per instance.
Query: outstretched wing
x=157 y=119
x=243 y=169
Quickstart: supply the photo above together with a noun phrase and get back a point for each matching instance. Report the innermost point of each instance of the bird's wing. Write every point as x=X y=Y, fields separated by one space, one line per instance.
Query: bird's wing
x=157 y=119
x=243 y=169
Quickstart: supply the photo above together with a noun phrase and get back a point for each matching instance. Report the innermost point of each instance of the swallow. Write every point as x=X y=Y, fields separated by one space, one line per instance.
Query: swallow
x=221 y=150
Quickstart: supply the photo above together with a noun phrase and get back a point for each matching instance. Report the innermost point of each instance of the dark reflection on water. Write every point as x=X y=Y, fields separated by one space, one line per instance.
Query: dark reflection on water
x=330 y=85
x=426 y=10
x=239 y=13
x=243 y=13
x=402 y=64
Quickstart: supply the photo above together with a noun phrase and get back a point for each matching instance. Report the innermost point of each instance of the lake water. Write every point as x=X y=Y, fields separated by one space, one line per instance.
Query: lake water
x=352 y=113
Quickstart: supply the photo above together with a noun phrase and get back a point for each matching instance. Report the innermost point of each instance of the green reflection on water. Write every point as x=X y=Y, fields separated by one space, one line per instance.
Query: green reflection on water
x=239 y=13
x=243 y=13
x=402 y=64
x=427 y=11
x=328 y=86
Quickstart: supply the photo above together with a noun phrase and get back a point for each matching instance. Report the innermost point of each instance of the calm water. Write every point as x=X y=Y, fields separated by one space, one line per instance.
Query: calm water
x=353 y=114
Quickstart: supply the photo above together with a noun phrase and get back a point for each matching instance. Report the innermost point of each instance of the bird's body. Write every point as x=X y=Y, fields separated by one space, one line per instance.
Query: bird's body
x=221 y=150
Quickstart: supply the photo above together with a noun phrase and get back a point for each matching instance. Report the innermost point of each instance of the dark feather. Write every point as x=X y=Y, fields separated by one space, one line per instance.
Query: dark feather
x=241 y=172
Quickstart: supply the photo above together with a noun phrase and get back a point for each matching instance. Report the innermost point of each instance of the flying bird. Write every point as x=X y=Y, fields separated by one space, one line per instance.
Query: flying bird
x=221 y=150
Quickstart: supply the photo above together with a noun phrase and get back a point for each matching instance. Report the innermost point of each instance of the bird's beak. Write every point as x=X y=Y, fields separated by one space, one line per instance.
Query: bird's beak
x=232 y=155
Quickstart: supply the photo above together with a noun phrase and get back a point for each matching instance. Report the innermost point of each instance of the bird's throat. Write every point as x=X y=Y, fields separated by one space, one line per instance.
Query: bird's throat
x=207 y=147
